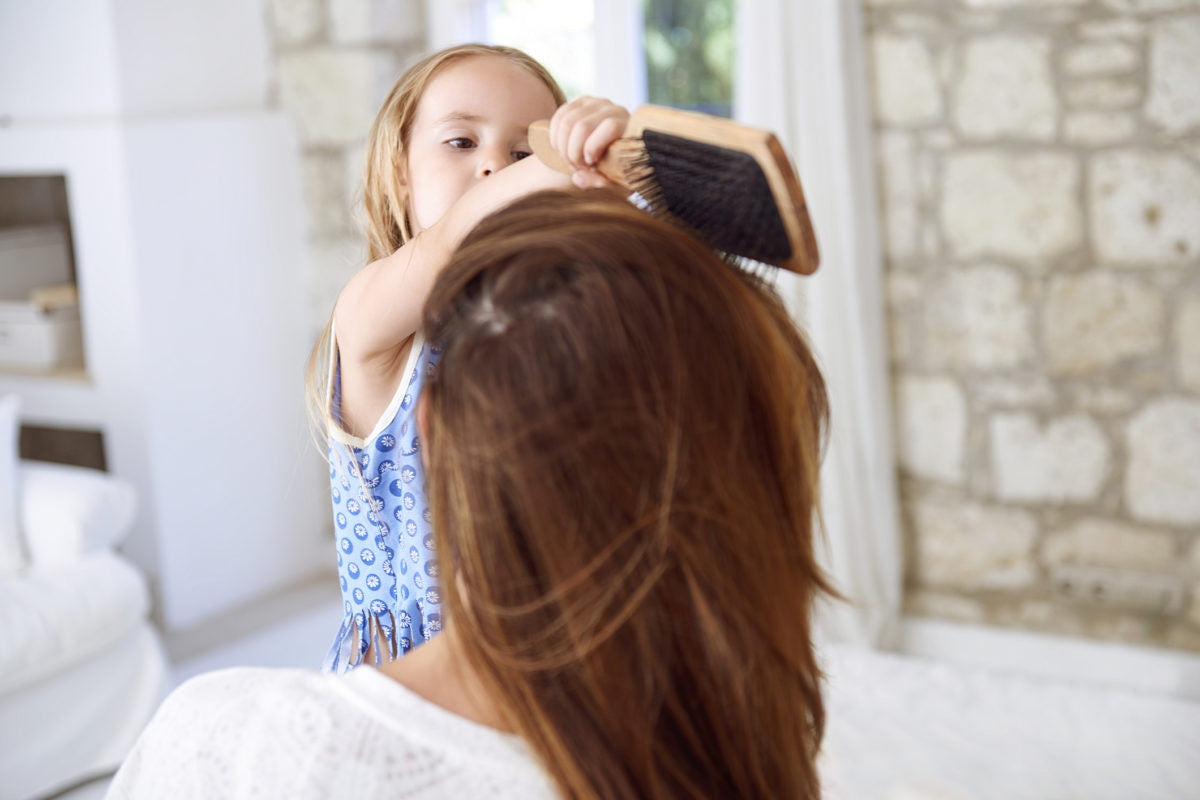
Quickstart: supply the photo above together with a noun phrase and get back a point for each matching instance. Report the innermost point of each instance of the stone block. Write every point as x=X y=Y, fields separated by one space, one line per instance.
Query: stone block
x=906 y=86
x=903 y=289
x=976 y=319
x=900 y=344
x=928 y=169
x=932 y=427
x=324 y=188
x=353 y=170
x=1099 y=58
x=931 y=240
x=1041 y=615
x=936 y=139
x=1191 y=148
x=1156 y=592
x=1186 y=636
x=1064 y=461
x=1108 y=543
x=1162 y=480
x=1149 y=6
x=966 y=545
x=296 y=21
x=1174 y=89
x=334 y=94
x=1098 y=319
x=1006 y=90
x=1103 y=401
x=1145 y=206
x=334 y=261
x=382 y=21
x=942 y=605
x=1187 y=344
x=916 y=22
x=897 y=157
x=1099 y=127
x=1133 y=626
x=1020 y=206
x=1029 y=391
x=1102 y=93
x=1017 y=3
x=1126 y=28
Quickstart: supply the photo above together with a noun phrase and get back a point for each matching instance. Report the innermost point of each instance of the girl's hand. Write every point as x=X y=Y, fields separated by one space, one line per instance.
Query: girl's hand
x=581 y=132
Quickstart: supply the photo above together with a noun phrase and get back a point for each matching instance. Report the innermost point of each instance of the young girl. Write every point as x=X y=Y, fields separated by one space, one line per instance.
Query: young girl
x=456 y=118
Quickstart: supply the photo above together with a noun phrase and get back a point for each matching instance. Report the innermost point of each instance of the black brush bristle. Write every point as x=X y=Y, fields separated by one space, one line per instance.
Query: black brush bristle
x=721 y=194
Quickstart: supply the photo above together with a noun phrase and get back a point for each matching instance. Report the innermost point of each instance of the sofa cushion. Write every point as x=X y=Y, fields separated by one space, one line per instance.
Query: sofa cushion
x=12 y=556
x=51 y=617
x=70 y=511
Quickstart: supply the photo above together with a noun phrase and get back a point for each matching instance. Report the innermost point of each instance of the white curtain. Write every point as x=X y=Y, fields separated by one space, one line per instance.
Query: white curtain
x=800 y=73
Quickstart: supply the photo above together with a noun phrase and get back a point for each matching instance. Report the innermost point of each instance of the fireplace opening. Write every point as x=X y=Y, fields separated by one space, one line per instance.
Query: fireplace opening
x=40 y=325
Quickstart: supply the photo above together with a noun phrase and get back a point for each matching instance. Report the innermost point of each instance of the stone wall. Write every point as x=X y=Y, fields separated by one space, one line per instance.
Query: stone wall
x=334 y=61
x=1039 y=167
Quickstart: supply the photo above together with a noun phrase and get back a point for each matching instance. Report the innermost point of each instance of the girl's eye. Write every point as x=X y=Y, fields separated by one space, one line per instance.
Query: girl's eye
x=517 y=155
x=460 y=143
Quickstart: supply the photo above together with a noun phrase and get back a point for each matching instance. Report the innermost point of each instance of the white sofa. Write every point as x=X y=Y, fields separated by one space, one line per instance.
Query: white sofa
x=81 y=667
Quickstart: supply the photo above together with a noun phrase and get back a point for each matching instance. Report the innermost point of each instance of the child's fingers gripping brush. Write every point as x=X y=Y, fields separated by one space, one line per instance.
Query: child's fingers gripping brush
x=731 y=184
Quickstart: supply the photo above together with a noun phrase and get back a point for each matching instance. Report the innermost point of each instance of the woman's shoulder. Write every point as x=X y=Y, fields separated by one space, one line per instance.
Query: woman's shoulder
x=229 y=733
x=228 y=703
x=301 y=734
x=241 y=684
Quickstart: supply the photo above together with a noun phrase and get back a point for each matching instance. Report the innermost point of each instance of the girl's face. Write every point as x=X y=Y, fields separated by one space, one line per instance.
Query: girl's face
x=470 y=122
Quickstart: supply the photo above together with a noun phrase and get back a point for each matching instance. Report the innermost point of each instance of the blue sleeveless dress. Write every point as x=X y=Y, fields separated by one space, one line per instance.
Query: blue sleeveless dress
x=382 y=528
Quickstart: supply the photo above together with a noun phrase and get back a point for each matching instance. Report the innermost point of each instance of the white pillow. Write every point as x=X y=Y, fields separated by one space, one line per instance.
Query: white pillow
x=12 y=555
x=68 y=511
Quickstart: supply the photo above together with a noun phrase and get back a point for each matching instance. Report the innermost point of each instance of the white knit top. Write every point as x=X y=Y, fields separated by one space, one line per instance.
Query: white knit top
x=266 y=733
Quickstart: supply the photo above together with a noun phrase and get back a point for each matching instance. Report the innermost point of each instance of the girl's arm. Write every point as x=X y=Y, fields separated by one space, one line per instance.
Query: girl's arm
x=379 y=309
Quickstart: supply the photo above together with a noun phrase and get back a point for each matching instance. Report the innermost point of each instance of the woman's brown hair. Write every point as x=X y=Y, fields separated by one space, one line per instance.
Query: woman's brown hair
x=624 y=435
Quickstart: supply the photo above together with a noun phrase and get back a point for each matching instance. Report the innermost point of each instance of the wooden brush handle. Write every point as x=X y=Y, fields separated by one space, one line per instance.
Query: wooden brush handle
x=610 y=165
x=539 y=142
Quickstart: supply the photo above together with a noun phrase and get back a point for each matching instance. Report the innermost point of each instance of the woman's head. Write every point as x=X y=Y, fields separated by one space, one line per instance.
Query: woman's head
x=483 y=94
x=623 y=437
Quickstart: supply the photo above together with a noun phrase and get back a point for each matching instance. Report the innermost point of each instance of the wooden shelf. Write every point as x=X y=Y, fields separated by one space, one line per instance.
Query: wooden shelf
x=74 y=373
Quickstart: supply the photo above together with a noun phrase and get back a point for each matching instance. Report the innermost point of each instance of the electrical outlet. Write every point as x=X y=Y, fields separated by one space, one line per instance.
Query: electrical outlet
x=1112 y=588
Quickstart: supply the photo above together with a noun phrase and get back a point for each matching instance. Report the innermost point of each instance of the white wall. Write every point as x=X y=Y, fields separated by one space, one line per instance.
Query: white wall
x=188 y=222
x=58 y=60
x=191 y=56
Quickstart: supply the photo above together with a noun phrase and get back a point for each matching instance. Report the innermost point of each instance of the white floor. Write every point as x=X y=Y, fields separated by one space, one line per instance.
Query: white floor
x=902 y=728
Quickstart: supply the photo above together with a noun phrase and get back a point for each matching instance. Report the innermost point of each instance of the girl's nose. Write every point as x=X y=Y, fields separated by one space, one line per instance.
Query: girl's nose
x=491 y=160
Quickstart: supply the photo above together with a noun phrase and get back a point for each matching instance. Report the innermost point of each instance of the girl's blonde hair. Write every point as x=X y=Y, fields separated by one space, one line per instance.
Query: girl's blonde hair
x=385 y=200
x=624 y=435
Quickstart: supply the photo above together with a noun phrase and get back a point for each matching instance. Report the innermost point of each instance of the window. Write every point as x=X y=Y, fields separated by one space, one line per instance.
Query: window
x=669 y=52
x=558 y=33
x=689 y=54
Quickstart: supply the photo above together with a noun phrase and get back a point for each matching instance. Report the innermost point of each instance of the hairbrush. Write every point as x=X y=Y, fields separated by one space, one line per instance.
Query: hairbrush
x=730 y=184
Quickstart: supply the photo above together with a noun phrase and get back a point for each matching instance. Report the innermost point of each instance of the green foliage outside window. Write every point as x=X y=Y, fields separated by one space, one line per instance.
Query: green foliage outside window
x=689 y=54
